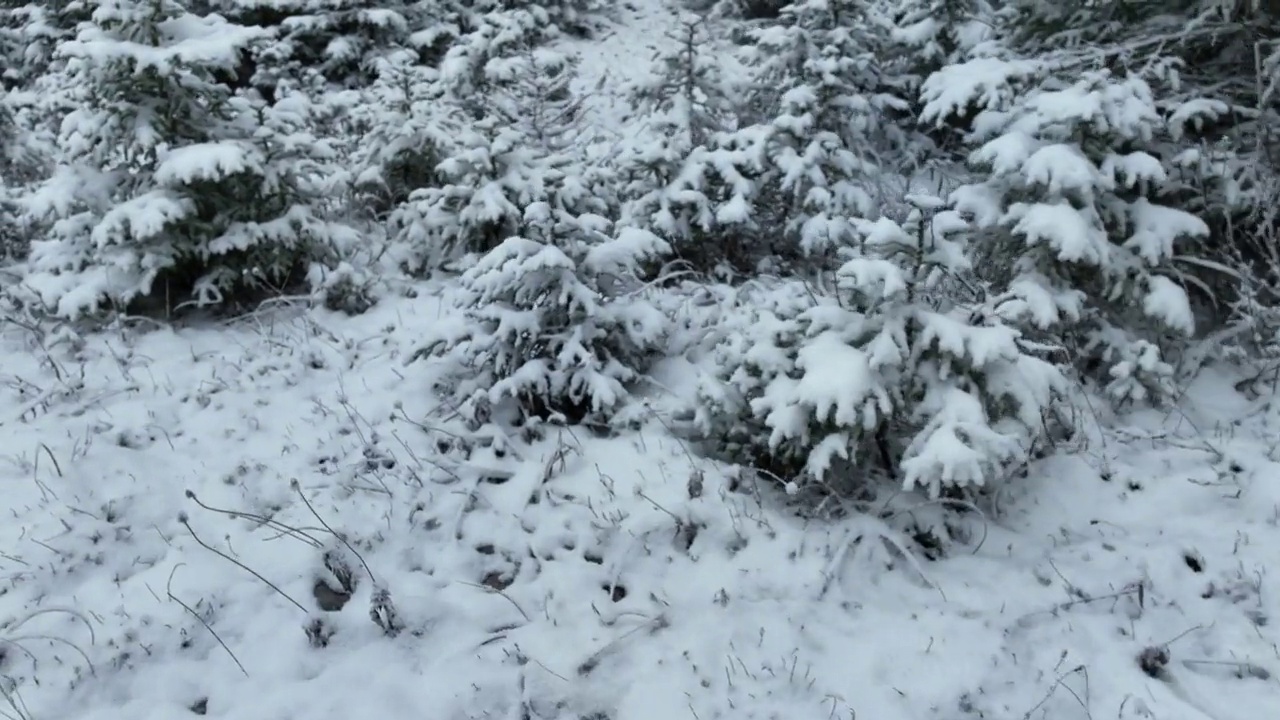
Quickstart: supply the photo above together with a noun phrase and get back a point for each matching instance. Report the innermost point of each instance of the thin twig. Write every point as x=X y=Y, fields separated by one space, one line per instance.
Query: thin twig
x=169 y=591
x=296 y=533
x=182 y=518
x=76 y=614
x=54 y=639
x=955 y=502
x=1138 y=589
x=297 y=487
x=505 y=596
x=1061 y=682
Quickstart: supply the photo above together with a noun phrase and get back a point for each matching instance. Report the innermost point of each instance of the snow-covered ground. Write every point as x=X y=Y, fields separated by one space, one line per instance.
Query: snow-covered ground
x=620 y=54
x=173 y=498
x=580 y=577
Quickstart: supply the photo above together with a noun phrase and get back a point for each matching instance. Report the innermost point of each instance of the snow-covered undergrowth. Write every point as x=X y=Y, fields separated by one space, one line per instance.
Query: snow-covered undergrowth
x=174 y=498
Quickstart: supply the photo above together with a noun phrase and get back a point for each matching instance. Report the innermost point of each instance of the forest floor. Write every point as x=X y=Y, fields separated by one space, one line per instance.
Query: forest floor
x=169 y=548
x=174 y=500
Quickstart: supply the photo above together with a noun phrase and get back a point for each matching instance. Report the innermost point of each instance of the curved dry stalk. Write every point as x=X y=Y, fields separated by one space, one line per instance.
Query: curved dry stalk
x=64 y=610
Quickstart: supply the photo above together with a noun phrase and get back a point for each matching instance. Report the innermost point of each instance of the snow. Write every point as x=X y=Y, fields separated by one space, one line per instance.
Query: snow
x=982 y=82
x=207 y=161
x=945 y=453
x=274 y=518
x=196 y=40
x=1007 y=153
x=619 y=57
x=1195 y=113
x=754 y=614
x=1070 y=233
x=758 y=613
x=872 y=273
x=621 y=254
x=141 y=218
x=1062 y=169
x=1134 y=168
x=1156 y=227
x=1168 y=301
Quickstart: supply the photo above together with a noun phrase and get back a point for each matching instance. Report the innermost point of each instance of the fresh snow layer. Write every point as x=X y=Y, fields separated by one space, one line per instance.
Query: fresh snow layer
x=638 y=582
x=619 y=57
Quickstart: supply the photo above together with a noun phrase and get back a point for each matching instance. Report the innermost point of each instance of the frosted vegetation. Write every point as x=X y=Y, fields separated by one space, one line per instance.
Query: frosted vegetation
x=855 y=254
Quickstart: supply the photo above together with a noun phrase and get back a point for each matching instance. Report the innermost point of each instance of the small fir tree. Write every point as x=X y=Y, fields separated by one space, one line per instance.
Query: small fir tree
x=671 y=181
x=548 y=329
x=897 y=374
x=1081 y=239
x=509 y=149
x=167 y=177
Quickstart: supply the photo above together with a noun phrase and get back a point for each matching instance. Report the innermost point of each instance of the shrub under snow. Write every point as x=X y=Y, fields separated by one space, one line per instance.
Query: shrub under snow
x=551 y=325
x=1083 y=239
x=169 y=182
x=514 y=121
x=893 y=375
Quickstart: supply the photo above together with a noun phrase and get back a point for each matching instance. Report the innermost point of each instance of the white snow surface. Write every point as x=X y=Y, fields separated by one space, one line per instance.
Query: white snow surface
x=611 y=604
x=620 y=56
x=639 y=581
